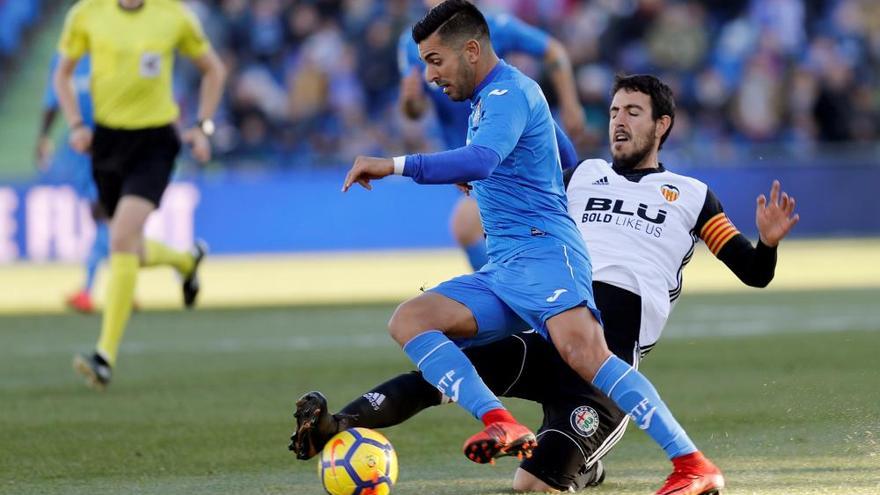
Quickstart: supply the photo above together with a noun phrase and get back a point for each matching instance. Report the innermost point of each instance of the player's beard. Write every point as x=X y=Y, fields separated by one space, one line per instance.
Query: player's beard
x=631 y=160
x=464 y=81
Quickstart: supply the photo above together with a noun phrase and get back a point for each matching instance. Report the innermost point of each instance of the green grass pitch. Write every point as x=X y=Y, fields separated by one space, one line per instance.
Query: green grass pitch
x=781 y=389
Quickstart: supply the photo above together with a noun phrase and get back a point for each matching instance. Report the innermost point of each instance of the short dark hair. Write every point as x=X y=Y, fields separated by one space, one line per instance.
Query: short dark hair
x=452 y=19
x=662 y=101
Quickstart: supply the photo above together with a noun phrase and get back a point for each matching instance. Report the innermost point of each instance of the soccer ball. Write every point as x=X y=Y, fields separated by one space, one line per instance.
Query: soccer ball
x=358 y=461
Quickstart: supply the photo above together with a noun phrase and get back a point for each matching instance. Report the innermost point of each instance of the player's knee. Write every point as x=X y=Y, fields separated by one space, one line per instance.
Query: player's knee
x=523 y=481
x=465 y=224
x=124 y=242
x=584 y=352
x=405 y=322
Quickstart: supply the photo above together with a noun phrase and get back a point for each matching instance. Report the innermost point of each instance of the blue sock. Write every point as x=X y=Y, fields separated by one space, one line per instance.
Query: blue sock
x=444 y=365
x=100 y=247
x=635 y=395
x=476 y=254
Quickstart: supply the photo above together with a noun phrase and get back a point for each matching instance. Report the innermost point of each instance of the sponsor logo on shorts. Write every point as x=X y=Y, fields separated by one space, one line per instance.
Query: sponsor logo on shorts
x=585 y=421
x=556 y=294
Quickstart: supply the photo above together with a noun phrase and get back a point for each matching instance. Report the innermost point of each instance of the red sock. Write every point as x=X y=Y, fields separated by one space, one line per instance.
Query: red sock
x=496 y=415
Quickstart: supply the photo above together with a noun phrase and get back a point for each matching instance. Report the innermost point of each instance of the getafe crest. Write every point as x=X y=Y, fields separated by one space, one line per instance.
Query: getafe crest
x=585 y=421
x=670 y=192
x=476 y=114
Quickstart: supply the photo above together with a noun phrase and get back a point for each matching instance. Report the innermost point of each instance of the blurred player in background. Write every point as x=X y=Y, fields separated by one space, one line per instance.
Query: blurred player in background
x=635 y=290
x=68 y=166
x=134 y=144
x=538 y=275
x=509 y=35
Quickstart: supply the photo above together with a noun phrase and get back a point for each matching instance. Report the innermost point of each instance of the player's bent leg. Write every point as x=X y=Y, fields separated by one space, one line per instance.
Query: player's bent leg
x=431 y=311
x=423 y=326
x=524 y=481
x=635 y=395
x=580 y=340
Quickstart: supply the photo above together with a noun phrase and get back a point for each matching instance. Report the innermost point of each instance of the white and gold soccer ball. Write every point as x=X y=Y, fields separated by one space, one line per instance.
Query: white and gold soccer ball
x=358 y=461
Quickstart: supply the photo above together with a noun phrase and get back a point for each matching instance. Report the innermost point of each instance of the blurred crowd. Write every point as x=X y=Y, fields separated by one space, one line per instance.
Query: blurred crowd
x=315 y=82
x=16 y=16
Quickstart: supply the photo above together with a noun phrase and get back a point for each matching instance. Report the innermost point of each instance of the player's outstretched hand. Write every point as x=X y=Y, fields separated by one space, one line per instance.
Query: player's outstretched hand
x=776 y=218
x=365 y=169
x=198 y=141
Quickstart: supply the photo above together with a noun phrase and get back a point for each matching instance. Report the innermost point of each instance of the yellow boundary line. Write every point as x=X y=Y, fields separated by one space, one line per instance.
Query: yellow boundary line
x=359 y=277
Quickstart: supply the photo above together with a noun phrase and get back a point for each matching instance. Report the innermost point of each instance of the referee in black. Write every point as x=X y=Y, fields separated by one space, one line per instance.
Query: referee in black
x=132 y=44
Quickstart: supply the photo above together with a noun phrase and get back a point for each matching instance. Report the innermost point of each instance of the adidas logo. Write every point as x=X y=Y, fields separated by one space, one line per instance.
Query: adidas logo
x=375 y=399
x=601 y=182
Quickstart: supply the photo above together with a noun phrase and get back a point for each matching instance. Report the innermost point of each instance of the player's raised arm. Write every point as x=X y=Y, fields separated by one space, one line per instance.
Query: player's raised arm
x=524 y=38
x=559 y=69
x=754 y=265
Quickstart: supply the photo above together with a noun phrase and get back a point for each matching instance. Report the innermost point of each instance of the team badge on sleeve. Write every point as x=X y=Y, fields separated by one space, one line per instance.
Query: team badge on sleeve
x=476 y=114
x=585 y=421
x=670 y=192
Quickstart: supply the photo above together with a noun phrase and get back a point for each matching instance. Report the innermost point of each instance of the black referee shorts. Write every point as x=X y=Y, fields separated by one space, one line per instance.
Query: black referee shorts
x=133 y=162
x=581 y=424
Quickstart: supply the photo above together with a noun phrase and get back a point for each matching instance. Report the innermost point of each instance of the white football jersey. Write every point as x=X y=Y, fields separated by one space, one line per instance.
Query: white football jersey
x=639 y=235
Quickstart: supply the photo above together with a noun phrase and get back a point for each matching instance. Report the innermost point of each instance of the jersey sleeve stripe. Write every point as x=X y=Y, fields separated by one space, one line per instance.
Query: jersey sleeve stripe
x=713 y=225
x=721 y=237
x=714 y=241
x=724 y=240
x=717 y=232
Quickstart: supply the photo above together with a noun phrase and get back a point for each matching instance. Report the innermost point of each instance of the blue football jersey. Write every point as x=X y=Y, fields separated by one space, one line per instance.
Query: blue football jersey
x=82 y=88
x=508 y=35
x=523 y=200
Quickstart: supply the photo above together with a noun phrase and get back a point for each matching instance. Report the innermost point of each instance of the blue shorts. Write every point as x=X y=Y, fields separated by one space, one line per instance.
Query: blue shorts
x=523 y=292
x=74 y=169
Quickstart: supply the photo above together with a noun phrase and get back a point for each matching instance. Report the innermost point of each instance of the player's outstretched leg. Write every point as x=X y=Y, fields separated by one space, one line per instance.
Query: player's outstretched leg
x=314 y=425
